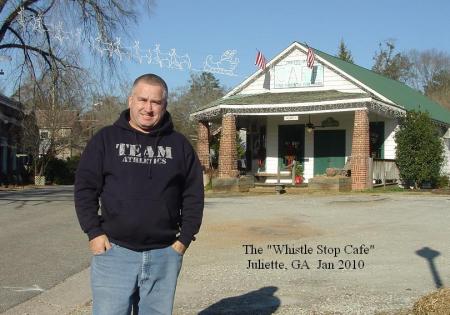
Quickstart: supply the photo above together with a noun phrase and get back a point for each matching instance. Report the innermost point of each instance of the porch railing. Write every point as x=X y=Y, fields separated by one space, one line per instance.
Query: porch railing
x=384 y=172
x=287 y=172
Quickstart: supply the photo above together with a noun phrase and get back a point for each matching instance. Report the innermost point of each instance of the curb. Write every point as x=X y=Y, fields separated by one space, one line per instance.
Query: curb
x=25 y=187
x=63 y=299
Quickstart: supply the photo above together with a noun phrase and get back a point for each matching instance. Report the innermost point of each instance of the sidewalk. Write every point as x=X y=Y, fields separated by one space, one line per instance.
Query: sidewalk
x=24 y=187
x=69 y=297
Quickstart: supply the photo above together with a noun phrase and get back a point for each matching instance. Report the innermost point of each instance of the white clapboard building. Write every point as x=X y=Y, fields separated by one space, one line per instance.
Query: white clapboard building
x=334 y=114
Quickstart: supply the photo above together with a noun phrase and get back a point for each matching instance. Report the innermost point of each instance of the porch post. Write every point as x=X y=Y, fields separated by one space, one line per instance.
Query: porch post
x=227 y=150
x=360 y=151
x=203 y=143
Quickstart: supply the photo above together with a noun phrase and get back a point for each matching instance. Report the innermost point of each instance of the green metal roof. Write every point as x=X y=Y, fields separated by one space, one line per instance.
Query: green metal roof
x=397 y=92
x=286 y=98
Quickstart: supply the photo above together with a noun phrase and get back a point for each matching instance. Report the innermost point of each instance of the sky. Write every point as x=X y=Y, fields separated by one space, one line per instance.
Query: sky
x=201 y=28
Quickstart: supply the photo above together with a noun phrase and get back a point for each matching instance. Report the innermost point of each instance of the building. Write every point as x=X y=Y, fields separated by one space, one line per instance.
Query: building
x=332 y=115
x=56 y=132
x=11 y=117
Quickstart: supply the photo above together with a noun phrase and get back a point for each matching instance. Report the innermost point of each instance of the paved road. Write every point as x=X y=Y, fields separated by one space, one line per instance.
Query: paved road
x=409 y=256
x=40 y=241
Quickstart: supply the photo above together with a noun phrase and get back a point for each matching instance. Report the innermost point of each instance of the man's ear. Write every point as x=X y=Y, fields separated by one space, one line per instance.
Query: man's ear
x=129 y=101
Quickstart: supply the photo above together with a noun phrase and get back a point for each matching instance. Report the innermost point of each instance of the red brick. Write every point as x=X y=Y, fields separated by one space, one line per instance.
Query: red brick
x=360 y=151
x=227 y=150
x=203 y=144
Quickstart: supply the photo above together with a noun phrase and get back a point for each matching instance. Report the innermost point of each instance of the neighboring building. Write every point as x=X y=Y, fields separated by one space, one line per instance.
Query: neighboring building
x=11 y=117
x=320 y=116
x=56 y=132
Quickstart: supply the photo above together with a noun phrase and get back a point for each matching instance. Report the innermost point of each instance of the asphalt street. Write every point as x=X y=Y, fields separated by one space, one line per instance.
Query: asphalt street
x=40 y=240
x=356 y=253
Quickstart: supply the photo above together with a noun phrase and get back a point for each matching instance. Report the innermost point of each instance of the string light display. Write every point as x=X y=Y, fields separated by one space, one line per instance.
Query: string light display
x=224 y=64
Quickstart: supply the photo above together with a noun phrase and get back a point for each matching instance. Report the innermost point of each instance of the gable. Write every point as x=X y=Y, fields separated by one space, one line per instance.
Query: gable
x=289 y=73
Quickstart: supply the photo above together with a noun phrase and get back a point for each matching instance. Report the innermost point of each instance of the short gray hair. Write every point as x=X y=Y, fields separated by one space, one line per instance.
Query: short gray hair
x=152 y=79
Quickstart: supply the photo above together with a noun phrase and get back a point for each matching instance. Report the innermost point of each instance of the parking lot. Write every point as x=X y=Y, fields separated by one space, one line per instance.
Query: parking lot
x=356 y=253
x=353 y=254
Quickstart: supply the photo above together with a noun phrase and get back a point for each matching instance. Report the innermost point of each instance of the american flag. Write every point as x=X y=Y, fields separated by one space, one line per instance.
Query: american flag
x=260 y=60
x=310 y=58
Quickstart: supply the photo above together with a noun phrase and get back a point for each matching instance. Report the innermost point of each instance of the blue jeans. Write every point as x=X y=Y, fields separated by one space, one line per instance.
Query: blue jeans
x=119 y=273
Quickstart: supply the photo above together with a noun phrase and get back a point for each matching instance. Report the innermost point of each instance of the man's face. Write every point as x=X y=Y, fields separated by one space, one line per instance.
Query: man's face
x=147 y=106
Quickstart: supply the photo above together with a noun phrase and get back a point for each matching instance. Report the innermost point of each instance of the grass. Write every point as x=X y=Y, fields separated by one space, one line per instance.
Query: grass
x=386 y=189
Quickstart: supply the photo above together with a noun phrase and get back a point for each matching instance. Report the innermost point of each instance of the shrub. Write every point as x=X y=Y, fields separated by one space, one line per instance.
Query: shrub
x=443 y=181
x=61 y=172
x=420 y=153
x=72 y=164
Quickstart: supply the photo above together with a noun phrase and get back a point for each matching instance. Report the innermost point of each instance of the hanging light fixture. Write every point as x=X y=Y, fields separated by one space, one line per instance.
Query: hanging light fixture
x=309 y=125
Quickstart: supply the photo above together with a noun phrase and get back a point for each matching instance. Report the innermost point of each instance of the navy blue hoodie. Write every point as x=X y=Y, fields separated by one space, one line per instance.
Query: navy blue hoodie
x=150 y=186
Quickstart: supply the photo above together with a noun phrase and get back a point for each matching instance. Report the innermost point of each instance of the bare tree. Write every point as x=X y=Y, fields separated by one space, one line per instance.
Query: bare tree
x=45 y=40
x=438 y=88
x=104 y=112
x=426 y=65
x=32 y=32
x=52 y=128
x=390 y=64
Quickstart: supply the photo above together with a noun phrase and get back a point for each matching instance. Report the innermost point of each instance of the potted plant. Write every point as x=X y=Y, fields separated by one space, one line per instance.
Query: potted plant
x=298 y=174
x=331 y=171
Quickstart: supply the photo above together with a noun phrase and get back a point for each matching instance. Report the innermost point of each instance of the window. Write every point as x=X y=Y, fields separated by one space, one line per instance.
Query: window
x=44 y=135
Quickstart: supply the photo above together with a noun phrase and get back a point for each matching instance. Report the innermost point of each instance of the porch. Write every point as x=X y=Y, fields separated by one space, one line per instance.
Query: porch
x=358 y=140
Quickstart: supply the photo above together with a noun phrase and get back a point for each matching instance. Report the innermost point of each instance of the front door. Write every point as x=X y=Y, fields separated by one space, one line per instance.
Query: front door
x=291 y=140
x=376 y=136
x=329 y=150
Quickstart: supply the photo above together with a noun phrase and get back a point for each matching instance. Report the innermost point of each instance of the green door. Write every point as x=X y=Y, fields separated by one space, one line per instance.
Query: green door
x=329 y=150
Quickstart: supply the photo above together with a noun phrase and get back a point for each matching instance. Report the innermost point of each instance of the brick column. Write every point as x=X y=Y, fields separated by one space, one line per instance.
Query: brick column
x=227 y=150
x=203 y=143
x=360 y=151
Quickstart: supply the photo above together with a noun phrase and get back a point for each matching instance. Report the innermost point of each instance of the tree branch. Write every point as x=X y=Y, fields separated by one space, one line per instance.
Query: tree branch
x=7 y=22
x=2 y=5
x=41 y=52
x=47 y=36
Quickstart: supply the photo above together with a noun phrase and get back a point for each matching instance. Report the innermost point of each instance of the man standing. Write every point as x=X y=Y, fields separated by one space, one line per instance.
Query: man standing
x=150 y=186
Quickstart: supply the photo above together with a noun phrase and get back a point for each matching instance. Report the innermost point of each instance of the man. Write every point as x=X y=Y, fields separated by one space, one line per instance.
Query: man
x=150 y=185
